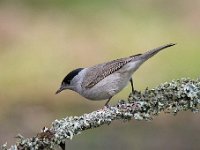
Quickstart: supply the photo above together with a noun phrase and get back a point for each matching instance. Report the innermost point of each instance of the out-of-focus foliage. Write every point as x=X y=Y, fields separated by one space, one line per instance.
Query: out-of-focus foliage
x=41 y=41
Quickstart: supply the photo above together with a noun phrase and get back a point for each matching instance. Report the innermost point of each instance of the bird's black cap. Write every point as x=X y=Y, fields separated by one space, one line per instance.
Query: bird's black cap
x=71 y=75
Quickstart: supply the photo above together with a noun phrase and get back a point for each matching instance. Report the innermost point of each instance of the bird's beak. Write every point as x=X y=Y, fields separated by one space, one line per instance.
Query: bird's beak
x=59 y=90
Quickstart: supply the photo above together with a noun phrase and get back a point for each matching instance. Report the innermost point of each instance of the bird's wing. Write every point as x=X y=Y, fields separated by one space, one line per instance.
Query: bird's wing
x=99 y=72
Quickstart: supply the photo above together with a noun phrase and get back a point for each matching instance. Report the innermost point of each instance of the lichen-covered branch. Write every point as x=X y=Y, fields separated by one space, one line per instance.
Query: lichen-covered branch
x=172 y=97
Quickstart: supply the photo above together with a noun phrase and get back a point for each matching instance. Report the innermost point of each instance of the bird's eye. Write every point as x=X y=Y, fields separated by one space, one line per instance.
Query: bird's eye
x=66 y=83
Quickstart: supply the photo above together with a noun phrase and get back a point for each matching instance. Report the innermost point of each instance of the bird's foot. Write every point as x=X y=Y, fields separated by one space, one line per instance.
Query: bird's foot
x=106 y=106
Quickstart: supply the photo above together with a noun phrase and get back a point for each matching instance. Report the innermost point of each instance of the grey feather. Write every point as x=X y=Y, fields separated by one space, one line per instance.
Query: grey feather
x=99 y=72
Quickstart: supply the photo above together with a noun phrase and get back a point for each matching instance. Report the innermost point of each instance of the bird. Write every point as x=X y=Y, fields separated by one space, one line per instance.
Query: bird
x=105 y=80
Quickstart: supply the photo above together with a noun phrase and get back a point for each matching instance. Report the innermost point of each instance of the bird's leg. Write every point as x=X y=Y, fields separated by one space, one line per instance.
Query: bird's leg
x=131 y=80
x=106 y=104
x=62 y=145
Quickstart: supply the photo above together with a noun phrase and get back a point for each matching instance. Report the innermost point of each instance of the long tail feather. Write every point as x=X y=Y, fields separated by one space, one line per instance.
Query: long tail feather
x=152 y=52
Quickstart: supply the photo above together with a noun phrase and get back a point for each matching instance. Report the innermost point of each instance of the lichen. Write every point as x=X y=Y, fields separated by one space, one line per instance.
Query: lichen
x=172 y=97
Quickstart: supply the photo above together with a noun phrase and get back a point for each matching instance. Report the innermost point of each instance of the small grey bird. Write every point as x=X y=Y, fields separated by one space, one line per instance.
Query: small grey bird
x=103 y=81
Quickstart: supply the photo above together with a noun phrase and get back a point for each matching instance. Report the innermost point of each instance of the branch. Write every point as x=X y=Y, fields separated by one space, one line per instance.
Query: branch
x=172 y=97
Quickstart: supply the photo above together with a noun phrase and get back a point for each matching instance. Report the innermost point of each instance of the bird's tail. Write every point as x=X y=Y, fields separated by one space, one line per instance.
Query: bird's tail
x=152 y=52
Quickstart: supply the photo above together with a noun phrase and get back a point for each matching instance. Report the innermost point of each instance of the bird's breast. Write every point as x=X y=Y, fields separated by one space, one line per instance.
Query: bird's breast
x=107 y=87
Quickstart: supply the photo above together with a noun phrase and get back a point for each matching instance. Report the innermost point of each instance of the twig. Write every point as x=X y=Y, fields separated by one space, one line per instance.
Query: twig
x=172 y=97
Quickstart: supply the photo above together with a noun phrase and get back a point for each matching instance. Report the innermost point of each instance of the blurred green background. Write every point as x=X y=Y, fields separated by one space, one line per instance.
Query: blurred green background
x=41 y=41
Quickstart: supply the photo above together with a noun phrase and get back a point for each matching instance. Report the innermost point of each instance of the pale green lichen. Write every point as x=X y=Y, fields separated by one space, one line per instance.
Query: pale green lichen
x=179 y=95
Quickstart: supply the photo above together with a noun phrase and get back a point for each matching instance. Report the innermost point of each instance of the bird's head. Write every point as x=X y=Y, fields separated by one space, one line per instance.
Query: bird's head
x=70 y=81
